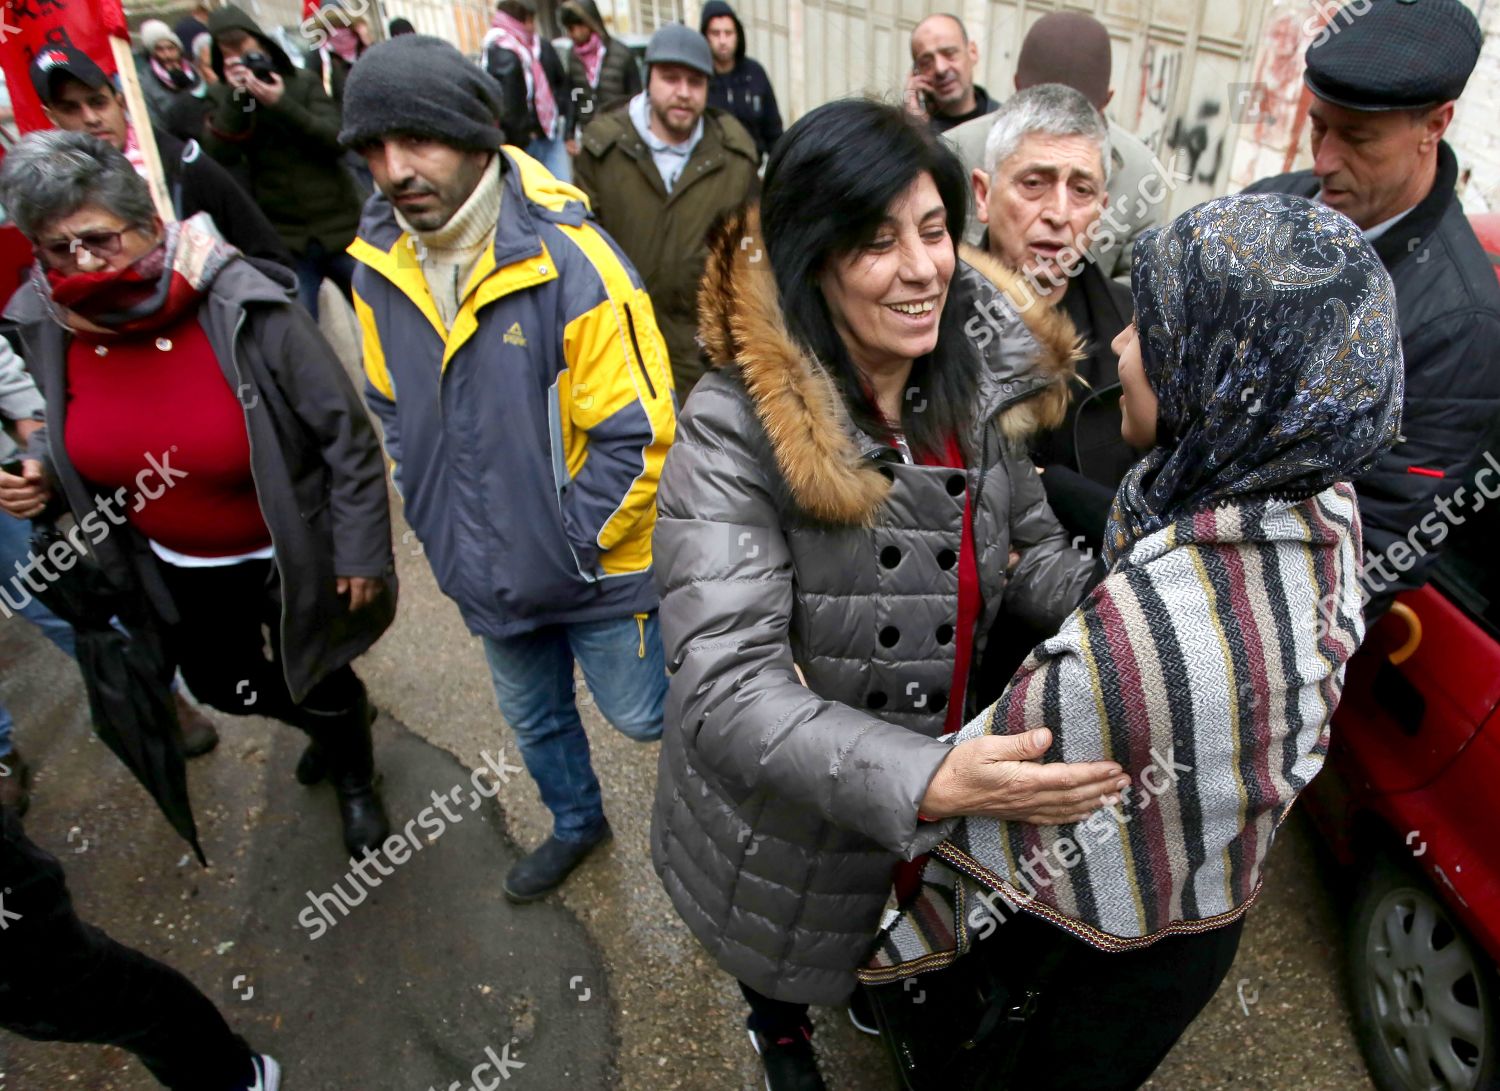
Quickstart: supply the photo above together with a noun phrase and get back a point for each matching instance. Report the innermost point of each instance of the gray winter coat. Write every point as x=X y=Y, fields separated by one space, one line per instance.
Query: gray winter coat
x=786 y=539
x=316 y=462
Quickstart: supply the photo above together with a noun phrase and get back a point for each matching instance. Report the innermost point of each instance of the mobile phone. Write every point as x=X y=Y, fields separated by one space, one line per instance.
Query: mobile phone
x=12 y=467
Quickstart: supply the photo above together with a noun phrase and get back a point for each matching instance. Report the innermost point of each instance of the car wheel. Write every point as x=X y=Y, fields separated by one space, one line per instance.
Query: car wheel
x=1425 y=998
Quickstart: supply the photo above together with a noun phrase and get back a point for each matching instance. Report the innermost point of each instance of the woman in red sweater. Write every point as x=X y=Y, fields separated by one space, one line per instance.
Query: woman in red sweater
x=207 y=440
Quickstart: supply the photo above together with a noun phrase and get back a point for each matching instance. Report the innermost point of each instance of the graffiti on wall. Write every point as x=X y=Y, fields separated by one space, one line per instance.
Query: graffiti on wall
x=1195 y=141
x=1161 y=69
x=1191 y=142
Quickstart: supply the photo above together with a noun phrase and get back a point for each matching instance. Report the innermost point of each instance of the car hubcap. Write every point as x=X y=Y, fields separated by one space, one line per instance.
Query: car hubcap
x=1425 y=993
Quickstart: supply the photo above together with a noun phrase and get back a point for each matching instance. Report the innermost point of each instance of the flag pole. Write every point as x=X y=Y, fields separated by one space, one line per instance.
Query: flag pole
x=145 y=135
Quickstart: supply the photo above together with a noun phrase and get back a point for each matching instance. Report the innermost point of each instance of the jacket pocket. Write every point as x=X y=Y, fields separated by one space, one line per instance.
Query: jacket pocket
x=635 y=345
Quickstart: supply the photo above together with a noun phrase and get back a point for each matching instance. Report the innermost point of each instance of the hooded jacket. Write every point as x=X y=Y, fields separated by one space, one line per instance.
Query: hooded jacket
x=619 y=75
x=745 y=90
x=1448 y=304
x=787 y=541
x=313 y=455
x=291 y=150
x=527 y=439
x=664 y=234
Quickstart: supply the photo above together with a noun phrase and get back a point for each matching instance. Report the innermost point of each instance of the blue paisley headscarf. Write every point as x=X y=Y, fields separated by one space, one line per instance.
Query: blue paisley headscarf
x=1268 y=331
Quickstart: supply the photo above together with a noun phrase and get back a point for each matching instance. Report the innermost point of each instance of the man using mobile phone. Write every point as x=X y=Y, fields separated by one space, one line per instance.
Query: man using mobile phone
x=941 y=87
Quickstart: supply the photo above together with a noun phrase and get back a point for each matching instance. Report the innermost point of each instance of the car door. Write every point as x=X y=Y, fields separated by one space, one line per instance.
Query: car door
x=1428 y=675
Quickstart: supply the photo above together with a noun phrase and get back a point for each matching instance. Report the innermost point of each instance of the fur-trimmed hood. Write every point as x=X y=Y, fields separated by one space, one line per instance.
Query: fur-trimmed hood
x=1028 y=349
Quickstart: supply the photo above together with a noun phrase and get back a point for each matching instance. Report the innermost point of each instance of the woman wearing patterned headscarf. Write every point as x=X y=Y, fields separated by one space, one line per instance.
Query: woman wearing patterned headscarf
x=1264 y=372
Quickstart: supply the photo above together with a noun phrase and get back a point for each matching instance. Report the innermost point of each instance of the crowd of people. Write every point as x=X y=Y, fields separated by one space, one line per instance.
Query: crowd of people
x=902 y=473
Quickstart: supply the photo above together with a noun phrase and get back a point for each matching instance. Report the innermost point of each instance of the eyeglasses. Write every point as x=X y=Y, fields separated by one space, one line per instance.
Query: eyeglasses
x=101 y=244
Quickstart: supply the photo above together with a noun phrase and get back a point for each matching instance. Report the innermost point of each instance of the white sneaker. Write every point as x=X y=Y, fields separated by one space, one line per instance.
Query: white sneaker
x=267 y=1073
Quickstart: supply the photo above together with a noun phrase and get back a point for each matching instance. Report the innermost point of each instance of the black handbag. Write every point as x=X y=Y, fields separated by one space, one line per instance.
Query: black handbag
x=961 y=1026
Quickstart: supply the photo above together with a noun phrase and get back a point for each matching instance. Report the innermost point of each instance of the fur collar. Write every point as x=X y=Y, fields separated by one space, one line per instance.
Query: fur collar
x=1029 y=361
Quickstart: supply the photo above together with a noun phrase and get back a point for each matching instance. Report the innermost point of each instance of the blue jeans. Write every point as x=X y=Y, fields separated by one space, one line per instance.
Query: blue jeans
x=317 y=262
x=15 y=544
x=552 y=154
x=625 y=669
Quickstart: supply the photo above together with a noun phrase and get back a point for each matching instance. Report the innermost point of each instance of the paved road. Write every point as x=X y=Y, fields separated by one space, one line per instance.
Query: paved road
x=411 y=988
x=406 y=989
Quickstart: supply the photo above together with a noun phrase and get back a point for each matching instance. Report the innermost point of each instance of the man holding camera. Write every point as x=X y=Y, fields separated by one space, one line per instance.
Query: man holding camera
x=277 y=122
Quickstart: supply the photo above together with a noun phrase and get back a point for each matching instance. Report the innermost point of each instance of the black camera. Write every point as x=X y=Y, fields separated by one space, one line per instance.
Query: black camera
x=260 y=65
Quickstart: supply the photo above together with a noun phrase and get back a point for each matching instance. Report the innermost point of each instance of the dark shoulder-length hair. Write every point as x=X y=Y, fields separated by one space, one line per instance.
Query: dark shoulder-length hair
x=828 y=187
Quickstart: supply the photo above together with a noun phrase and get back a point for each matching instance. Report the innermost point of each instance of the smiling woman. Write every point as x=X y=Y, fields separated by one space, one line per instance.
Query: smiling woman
x=834 y=525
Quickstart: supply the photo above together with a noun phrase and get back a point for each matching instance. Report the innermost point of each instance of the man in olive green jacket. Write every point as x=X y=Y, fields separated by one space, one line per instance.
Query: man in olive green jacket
x=659 y=173
x=274 y=121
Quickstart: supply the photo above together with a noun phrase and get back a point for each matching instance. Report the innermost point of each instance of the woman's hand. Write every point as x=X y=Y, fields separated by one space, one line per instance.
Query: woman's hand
x=362 y=590
x=999 y=776
x=25 y=496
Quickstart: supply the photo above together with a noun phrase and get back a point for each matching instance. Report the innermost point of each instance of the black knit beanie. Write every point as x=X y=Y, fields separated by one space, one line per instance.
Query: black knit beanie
x=423 y=86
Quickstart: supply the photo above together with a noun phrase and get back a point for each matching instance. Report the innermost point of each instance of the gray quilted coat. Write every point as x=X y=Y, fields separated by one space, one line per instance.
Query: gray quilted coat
x=786 y=539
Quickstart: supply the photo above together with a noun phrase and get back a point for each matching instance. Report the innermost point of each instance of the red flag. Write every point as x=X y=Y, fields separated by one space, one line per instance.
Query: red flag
x=31 y=27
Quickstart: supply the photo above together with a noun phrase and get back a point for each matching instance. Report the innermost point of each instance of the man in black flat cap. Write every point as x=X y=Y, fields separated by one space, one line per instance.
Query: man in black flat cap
x=1384 y=81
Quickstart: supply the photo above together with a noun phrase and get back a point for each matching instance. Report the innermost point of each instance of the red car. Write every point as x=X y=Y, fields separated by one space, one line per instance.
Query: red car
x=1410 y=803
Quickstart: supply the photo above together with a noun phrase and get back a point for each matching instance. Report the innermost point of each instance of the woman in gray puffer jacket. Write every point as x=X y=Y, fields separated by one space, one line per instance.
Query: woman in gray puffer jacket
x=822 y=579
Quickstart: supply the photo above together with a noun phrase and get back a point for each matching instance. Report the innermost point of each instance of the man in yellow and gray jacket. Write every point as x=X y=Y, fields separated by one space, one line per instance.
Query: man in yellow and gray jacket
x=513 y=358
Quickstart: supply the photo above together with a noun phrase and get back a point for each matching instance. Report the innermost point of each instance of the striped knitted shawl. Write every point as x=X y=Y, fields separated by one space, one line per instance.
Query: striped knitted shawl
x=1208 y=664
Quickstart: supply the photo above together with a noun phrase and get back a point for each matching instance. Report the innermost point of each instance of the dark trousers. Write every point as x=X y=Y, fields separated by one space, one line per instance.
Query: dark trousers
x=317 y=262
x=775 y=1018
x=1105 y=1020
x=62 y=980
x=227 y=643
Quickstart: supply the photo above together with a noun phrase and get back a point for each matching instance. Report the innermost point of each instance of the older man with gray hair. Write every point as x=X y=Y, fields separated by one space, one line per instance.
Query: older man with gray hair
x=1040 y=195
x=1072 y=48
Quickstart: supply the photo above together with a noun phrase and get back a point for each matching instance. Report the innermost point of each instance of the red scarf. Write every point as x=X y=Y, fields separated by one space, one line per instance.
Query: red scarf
x=591 y=53
x=152 y=292
x=514 y=36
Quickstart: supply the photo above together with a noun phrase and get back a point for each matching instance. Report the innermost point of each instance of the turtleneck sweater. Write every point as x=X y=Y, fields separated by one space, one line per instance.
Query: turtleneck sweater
x=448 y=255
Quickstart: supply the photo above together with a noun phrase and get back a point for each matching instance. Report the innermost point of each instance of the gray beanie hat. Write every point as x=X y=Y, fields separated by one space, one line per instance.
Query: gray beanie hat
x=153 y=32
x=675 y=43
x=421 y=85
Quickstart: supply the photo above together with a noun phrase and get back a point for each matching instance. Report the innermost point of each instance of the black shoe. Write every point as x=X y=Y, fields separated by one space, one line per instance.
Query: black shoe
x=545 y=869
x=344 y=739
x=790 y=1064
x=15 y=783
x=364 y=819
x=860 y=1012
x=199 y=735
x=312 y=766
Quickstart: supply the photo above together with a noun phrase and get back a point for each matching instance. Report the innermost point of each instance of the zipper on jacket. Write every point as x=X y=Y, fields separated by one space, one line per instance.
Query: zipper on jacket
x=639 y=359
x=640 y=625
